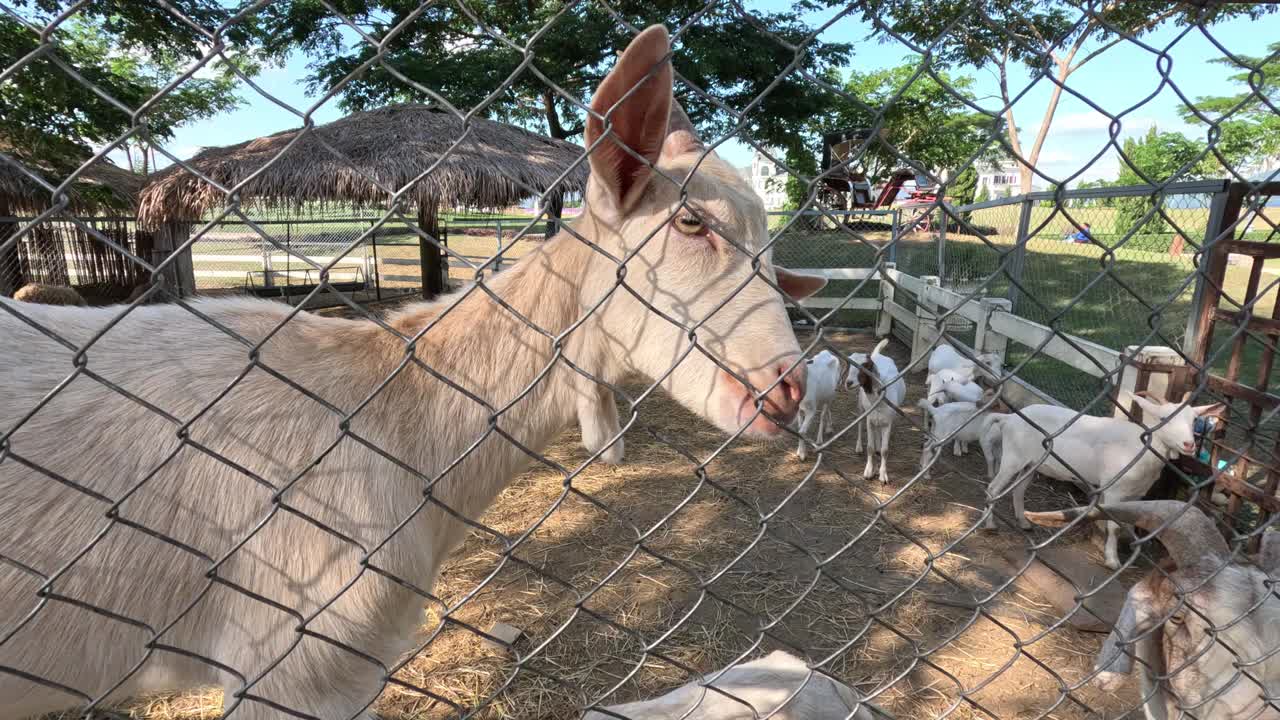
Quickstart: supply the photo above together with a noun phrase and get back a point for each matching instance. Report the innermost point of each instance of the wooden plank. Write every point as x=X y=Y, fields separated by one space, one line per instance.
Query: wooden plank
x=1239 y=487
x=840 y=273
x=900 y=313
x=969 y=308
x=1262 y=250
x=1032 y=334
x=1223 y=386
x=1255 y=323
x=854 y=304
x=910 y=283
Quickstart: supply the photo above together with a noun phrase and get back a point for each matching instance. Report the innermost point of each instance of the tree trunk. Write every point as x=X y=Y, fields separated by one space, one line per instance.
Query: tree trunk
x=430 y=256
x=1064 y=70
x=554 y=128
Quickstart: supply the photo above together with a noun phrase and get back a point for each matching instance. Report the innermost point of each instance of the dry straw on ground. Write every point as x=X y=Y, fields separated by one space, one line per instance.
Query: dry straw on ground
x=921 y=653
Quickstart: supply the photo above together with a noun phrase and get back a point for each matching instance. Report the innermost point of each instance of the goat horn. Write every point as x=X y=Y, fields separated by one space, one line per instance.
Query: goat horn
x=880 y=346
x=1185 y=532
x=1113 y=661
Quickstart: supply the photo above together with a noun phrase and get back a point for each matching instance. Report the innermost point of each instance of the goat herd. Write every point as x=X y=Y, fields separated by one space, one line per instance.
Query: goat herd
x=234 y=493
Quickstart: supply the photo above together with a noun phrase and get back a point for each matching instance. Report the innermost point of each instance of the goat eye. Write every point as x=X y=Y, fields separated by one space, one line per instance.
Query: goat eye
x=1177 y=618
x=690 y=225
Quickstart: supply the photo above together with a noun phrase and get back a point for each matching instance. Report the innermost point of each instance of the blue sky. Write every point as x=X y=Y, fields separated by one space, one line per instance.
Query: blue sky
x=1120 y=78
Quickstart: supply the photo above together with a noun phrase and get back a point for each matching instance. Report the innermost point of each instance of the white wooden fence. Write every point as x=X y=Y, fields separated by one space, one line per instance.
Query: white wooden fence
x=995 y=326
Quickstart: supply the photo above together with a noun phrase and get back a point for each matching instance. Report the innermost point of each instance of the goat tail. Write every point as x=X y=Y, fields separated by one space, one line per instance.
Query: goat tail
x=880 y=346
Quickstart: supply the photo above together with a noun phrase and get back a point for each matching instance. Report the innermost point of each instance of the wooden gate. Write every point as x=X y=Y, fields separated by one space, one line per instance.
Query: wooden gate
x=1241 y=238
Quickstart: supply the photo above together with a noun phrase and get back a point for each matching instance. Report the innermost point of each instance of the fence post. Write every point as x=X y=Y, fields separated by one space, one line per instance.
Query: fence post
x=1018 y=260
x=377 y=276
x=1158 y=370
x=986 y=340
x=884 y=319
x=1224 y=211
x=267 y=248
x=497 y=265
x=942 y=245
x=924 y=333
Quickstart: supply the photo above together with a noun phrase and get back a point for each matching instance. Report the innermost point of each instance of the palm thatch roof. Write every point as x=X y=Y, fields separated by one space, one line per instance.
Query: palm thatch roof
x=494 y=165
x=101 y=187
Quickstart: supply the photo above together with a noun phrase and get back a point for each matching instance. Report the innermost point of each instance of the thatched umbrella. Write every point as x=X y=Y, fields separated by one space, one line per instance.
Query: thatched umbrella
x=494 y=165
x=101 y=188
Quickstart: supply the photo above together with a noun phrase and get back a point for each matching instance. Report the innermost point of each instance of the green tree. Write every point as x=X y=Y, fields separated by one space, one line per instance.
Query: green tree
x=1156 y=157
x=961 y=190
x=984 y=194
x=129 y=51
x=1051 y=37
x=731 y=58
x=924 y=121
x=1249 y=127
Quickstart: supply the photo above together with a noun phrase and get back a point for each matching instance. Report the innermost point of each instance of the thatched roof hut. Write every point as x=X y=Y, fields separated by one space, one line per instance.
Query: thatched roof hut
x=102 y=187
x=358 y=159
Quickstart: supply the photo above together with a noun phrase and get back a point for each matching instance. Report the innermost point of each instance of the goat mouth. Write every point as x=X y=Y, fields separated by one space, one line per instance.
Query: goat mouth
x=767 y=423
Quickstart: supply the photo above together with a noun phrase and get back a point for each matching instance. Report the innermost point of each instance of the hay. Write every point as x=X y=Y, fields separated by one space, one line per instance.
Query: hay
x=363 y=158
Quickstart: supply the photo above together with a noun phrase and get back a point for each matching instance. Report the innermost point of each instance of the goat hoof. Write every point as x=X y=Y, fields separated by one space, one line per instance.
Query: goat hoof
x=1109 y=681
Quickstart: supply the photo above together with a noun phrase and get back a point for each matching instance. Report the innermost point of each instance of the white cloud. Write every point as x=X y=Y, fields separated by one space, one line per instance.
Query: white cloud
x=1091 y=121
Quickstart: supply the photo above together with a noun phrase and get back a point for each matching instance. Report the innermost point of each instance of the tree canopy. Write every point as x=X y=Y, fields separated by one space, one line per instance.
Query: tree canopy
x=129 y=51
x=731 y=58
x=1052 y=38
x=1248 y=126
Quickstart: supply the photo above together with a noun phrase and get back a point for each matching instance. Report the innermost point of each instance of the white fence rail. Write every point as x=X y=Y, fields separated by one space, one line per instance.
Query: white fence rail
x=995 y=326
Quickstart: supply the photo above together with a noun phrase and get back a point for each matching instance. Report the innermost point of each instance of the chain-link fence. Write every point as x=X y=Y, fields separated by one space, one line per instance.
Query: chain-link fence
x=225 y=506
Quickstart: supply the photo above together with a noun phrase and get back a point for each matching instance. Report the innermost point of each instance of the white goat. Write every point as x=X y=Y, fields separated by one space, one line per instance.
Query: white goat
x=822 y=381
x=1204 y=627
x=1106 y=454
x=853 y=360
x=598 y=421
x=946 y=357
x=962 y=422
x=950 y=386
x=778 y=686
x=281 y=547
x=881 y=392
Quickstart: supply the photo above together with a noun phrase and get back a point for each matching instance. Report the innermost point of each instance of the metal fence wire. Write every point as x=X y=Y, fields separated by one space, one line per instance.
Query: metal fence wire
x=223 y=507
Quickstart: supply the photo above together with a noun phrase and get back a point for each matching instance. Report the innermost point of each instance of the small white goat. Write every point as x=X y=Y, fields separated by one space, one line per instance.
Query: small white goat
x=1204 y=627
x=962 y=422
x=1107 y=454
x=949 y=386
x=881 y=392
x=822 y=381
x=945 y=357
x=778 y=686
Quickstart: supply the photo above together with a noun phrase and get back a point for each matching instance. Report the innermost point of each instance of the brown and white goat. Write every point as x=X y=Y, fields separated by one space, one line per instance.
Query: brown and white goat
x=1204 y=628
x=306 y=534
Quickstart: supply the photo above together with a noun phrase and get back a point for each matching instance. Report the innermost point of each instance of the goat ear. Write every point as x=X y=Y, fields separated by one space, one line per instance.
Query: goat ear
x=635 y=102
x=1218 y=410
x=682 y=138
x=797 y=286
x=1151 y=408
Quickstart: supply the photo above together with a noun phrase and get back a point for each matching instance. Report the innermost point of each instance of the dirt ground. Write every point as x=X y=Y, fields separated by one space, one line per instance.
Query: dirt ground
x=635 y=575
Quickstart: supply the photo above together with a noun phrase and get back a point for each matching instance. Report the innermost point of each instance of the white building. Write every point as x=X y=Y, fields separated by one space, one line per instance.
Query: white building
x=768 y=180
x=1000 y=180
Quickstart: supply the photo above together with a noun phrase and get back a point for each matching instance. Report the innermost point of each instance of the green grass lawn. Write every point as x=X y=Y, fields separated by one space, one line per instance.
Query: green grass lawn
x=1123 y=297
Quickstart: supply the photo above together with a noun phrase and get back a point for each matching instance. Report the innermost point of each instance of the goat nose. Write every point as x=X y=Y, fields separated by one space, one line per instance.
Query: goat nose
x=789 y=391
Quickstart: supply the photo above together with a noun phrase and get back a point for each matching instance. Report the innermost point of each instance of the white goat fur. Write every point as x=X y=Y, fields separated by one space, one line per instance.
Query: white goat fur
x=962 y=422
x=762 y=688
x=822 y=381
x=1203 y=627
x=1098 y=449
x=881 y=391
x=294 y=460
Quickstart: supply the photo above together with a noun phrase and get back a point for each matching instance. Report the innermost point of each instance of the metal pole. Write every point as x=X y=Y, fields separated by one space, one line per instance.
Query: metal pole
x=942 y=252
x=1018 y=261
x=377 y=275
x=497 y=265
